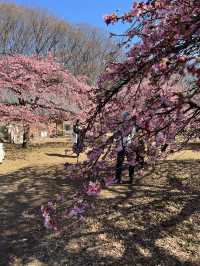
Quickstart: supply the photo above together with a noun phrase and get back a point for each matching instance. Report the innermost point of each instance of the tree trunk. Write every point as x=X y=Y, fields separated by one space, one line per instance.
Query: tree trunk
x=26 y=137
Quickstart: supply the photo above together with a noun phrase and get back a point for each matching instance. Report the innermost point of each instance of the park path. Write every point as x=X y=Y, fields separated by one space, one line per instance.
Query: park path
x=155 y=222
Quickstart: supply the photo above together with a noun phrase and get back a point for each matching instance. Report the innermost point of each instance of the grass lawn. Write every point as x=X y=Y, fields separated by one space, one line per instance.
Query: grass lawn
x=154 y=222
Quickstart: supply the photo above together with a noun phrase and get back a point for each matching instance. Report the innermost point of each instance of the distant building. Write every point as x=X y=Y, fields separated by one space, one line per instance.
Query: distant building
x=13 y=132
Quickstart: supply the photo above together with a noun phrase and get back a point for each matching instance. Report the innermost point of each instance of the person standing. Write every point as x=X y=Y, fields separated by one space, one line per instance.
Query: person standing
x=78 y=138
x=124 y=142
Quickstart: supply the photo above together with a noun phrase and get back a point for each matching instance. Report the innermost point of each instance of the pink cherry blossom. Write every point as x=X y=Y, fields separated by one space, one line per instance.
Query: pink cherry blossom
x=93 y=188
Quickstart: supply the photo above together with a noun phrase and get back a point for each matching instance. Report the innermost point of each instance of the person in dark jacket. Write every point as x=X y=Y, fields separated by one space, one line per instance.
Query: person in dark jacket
x=78 y=140
x=124 y=142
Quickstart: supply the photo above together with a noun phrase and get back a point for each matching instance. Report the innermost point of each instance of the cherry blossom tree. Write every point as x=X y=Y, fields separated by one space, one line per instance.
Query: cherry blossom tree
x=162 y=40
x=163 y=52
x=35 y=89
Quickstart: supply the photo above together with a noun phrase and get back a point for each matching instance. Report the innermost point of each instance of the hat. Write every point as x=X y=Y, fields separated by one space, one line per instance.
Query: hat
x=125 y=115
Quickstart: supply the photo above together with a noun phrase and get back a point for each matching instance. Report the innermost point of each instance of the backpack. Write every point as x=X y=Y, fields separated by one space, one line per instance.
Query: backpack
x=75 y=129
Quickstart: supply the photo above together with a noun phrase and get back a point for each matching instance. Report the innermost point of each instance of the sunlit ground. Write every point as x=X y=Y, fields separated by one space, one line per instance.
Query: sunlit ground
x=154 y=222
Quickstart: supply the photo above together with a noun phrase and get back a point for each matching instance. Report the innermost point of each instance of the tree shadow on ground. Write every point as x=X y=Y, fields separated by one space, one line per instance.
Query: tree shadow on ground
x=56 y=155
x=154 y=222
x=61 y=155
x=192 y=146
x=22 y=194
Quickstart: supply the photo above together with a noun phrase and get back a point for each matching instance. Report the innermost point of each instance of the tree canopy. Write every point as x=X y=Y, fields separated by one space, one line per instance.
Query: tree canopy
x=34 y=88
x=162 y=39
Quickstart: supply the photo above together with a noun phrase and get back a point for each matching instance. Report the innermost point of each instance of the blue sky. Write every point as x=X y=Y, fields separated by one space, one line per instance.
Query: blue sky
x=86 y=11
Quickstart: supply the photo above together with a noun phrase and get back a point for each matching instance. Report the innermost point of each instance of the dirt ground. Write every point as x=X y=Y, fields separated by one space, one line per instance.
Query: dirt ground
x=154 y=222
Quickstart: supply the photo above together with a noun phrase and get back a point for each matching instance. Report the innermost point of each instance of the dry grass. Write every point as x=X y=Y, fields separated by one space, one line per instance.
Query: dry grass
x=185 y=155
x=154 y=222
x=36 y=157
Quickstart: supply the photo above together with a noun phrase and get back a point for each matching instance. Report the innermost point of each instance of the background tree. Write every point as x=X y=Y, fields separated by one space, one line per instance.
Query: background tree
x=35 y=89
x=82 y=48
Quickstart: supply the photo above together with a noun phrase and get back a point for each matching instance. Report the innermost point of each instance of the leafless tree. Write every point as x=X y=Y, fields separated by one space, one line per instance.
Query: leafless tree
x=83 y=49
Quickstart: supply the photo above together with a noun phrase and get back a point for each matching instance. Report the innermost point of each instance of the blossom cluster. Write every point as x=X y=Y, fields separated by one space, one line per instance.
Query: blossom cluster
x=35 y=89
